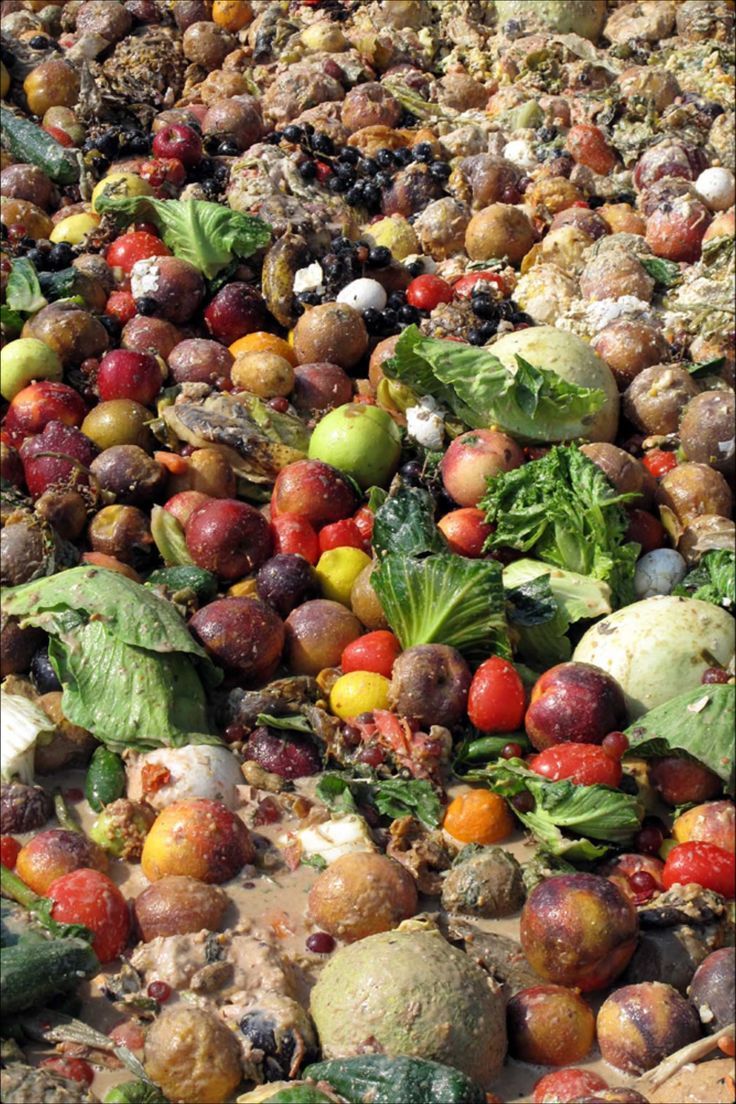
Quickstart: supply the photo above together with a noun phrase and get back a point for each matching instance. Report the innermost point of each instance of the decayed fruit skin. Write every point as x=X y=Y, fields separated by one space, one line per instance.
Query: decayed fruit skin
x=242 y=634
x=578 y=930
x=361 y=894
x=550 y=1025
x=574 y=701
x=199 y=838
x=228 y=537
x=639 y=1025
x=712 y=989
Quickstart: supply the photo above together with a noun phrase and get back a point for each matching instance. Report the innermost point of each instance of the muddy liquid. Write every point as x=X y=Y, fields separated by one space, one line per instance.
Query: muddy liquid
x=283 y=893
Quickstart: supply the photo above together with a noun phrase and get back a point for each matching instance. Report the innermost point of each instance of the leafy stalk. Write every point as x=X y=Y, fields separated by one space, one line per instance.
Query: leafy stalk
x=11 y=886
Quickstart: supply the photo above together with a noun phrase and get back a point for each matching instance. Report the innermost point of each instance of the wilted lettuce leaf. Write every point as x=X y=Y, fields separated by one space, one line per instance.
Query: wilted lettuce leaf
x=23 y=292
x=131 y=671
x=699 y=723
x=532 y=404
x=391 y=797
x=564 y=511
x=713 y=580
x=405 y=524
x=207 y=235
x=599 y=813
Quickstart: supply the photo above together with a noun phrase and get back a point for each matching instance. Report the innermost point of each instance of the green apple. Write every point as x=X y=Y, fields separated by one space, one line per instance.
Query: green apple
x=359 y=439
x=25 y=360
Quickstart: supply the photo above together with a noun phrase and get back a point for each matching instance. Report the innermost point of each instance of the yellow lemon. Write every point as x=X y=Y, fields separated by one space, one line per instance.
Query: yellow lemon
x=359 y=692
x=120 y=185
x=74 y=229
x=337 y=570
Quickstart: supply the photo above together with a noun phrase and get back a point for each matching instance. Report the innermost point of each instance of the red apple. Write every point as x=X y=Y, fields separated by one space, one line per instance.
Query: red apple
x=40 y=403
x=235 y=311
x=183 y=504
x=124 y=374
x=180 y=141
x=314 y=490
x=228 y=537
x=66 y=444
x=465 y=530
x=574 y=702
x=473 y=458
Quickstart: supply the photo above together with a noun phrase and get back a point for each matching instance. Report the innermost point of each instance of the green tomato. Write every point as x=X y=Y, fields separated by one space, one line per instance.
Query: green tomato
x=362 y=440
x=25 y=360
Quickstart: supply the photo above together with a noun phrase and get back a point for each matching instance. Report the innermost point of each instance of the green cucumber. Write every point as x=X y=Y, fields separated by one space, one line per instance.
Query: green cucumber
x=186 y=577
x=135 y=1092
x=105 y=780
x=376 y=1079
x=34 y=972
x=31 y=144
x=299 y=1094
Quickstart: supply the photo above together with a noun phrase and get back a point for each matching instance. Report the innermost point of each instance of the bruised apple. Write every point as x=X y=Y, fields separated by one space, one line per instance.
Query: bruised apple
x=472 y=459
x=574 y=702
x=243 y=634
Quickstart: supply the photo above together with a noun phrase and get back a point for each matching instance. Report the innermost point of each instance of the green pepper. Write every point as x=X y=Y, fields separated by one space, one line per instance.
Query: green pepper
x=105 y=780
x=490 y=747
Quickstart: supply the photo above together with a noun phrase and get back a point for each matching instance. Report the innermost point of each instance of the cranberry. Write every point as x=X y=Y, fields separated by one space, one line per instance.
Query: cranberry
x=320 y=943
x=643 y=885
x=234 y=734
x=279 y=404
x=512 y=751
x=715 y=675
x=523 y=802
x=615 y=744
x=159 y=991
x=372 y=756
x=649 y=839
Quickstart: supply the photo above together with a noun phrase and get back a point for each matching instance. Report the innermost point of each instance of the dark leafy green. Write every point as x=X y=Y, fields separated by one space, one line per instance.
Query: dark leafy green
x=296 y=723
x=593 y=813
x=712 y=580
x=23 y=292
x=41 y=907
x=208 y=235
x=531 y=602
x=391 y=797
x=405 y=525
x=562 y=510
x=664 y=273
x=10 y=320
x=699 y=723
x=532 y=404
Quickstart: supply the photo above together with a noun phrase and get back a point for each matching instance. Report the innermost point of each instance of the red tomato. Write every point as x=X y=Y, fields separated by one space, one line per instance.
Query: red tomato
x=129 y=1033
x=427 y=292
x=704 y=864
x=86 y=896
x=496 y=701
x=374 y=651
x=324 y=171
x=341 y=534
x=9 y=851
x=134 y=246
x=121 y=305
x=363 y=518
x=582 y=764
x=75 y=1069
x=644 y=529
x=294 y=533
x=658 y=462
x=59 y=135
x=466 y=285
x=563 y=1086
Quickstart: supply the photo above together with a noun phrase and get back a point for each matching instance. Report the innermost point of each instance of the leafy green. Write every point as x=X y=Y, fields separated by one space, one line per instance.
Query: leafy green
x=23 y=292
x=405 y=524
x=531 y=602
x=168 y=537
x=564 y=511
x=598 y=813
x=207 y=235
x=705 y=367
x=316 y=861
x=41 y=908
x=296 y=723
x=391 y=797
x=713 y=580
x=10 y=320
x=444 y=599
x=24 y=724
x=375 y=497
x=699 y=723
x=575 y=598
x=131 y=671
x=664 y=273
x=532 y=404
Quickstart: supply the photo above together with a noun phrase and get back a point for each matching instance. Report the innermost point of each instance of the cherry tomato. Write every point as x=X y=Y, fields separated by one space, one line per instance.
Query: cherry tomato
x=134 y=246
x=645 y=529
x=582 y=764
x=294 y=533
x=324 y=171
x=562 y=1086
x=364 y=518
x=704 y=864
x=496 y=701
x=341 y=534
x=466 y=285
x=427 y=292
x=75 y=1069
x=9 y=851
x=86 y=896
x=374 y=651
x=121 y=305
x=658 y=462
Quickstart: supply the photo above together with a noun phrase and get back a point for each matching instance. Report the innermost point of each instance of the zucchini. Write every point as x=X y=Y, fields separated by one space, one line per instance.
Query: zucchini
x=105 y=780
x=33 y=972
x=31 y=144
x=376 y=1079
x=186 y=577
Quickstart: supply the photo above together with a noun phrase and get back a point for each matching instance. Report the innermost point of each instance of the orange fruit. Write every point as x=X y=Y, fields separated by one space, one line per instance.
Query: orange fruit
x=260 y=342
x=478 y=816
x=233 y=15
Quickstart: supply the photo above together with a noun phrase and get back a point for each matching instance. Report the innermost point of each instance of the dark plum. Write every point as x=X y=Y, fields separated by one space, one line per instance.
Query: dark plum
x=640 y=1025
x=712 y=989
x=287 y=756
x=285 y=581
x=235 y=311
x=150 y=335
x=321 y=386
x=197 y=360
x=314 y=490
x=129 y=473
x=244 y=635
x=682 y=781
x=228 y=537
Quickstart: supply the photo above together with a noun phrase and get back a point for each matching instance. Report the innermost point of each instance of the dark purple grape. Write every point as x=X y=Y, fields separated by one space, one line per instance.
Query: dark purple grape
x=285 y=581
x=288 y=756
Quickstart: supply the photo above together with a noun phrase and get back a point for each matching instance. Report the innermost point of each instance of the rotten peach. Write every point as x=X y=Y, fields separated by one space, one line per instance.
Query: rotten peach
x=472 y=459
x=640 y=1025
x=549 y=1025
x=55 y=852
x=712 y=822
